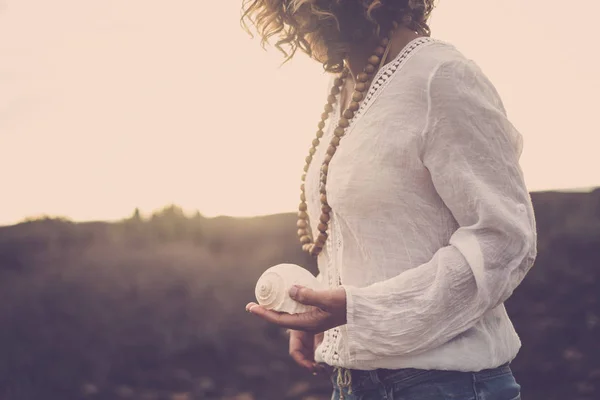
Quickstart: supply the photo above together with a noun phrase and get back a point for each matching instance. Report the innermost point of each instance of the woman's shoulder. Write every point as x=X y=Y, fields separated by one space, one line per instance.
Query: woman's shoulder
x=408 y=76
x=446 y=71
x=413 y=69
x=436 y=54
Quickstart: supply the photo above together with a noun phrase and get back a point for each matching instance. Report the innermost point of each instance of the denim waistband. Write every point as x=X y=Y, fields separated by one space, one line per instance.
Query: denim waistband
x=358 y=380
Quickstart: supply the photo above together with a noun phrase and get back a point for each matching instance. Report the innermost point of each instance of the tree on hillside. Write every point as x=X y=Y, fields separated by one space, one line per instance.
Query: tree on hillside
x=170 y=223
x=136 y=215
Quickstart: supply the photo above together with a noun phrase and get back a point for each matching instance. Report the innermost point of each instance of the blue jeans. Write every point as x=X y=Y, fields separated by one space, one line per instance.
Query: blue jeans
x=416 y=384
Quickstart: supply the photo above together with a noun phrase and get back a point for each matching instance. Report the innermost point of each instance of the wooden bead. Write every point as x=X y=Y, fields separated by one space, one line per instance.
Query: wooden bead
x=303 y=177
x=335 y=90
x=302 y=232
x=328 y=108
x=324 y=169
x=327 y=159
x=325 y=218
x=360 y=87
x=316 y=142
x=312 y=152
x=362 y=77
x=379 y=51
x=331 y=99
x=308 y=159
x=322 y=189
x=323 y=198
x=301 y=223
x=339 y=131
x=331 y=150
x=305 y=239
x=353 y=106
x=321 y=125
x=357 y=96
x=384 y=42
x=305 y=168
x=325 y=208
x=321 y=238
x=322 y=227
x=302 y=206
x=315 y=251
x=335 y=140
x=302 y=197
x=319 y=134
x=306 y=247
x=324 y=116
x=343 y=122
x=319 y=244
x=302 y=215
x=302 y=187
x=374 y=60
x=337 y=82
x=323 y=178
x=348 y=114
x=369 y=69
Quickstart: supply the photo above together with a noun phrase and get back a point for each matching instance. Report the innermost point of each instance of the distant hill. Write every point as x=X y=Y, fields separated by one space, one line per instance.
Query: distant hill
x=155 y=307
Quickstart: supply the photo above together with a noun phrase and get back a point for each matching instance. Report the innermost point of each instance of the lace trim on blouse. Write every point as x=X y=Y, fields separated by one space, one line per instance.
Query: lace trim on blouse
x=383 y=76
x=332 y=345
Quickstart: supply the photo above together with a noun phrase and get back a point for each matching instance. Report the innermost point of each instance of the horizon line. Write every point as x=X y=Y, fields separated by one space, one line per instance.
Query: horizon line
x=190 y=213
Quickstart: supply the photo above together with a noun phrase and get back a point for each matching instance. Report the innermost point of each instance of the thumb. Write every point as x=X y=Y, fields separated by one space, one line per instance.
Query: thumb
x=308 y=296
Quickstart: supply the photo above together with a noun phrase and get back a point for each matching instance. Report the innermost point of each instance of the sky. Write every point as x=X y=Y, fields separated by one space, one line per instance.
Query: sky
x=110 y=105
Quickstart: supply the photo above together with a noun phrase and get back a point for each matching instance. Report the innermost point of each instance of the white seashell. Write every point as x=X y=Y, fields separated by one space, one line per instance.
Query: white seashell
x=272 y=288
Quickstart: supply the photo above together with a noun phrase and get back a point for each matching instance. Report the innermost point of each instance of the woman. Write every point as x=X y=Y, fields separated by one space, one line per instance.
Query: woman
x=413 y=202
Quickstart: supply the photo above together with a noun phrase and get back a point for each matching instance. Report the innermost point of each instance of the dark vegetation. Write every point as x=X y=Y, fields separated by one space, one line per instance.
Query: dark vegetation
x=154 y=308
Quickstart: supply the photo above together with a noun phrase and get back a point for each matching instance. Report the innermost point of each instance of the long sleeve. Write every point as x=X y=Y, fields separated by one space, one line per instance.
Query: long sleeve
x=472 y=153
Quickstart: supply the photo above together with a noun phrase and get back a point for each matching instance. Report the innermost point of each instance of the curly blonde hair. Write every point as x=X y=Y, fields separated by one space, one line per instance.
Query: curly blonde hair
x=325 y=29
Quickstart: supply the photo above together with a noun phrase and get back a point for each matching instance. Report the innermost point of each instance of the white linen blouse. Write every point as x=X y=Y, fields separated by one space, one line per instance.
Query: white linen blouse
x=432 y=226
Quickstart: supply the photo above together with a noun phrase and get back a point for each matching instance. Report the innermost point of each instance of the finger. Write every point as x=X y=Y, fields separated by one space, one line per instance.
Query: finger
x=301 y=351
x=317 y=340
x=304 y=295
x=311 y=321
x=321 y=369
x=302 y=361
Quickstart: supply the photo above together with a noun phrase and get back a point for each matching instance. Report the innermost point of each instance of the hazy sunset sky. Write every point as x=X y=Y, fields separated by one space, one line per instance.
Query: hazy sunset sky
x=115 y=104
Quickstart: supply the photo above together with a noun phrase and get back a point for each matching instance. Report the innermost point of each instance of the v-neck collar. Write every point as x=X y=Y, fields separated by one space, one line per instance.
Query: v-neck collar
x=380 y=80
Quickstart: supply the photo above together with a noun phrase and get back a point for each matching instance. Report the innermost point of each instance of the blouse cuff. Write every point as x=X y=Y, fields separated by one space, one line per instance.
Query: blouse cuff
x=352 y=340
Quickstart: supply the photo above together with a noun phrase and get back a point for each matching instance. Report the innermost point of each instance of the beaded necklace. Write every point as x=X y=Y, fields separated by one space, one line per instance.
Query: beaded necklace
x=375 y=62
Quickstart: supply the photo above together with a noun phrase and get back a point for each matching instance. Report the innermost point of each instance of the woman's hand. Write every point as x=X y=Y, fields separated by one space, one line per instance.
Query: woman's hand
x=329 y=310
x=302 y=349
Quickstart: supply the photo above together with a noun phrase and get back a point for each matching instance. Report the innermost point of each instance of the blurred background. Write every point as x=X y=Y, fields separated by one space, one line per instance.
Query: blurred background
x=150 y=161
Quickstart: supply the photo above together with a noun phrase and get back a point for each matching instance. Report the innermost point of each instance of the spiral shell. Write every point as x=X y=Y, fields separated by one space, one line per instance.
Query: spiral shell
x=272 y=288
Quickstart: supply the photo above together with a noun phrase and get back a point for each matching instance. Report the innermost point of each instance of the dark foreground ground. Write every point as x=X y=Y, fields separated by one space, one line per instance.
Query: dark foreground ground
x=154 y=309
